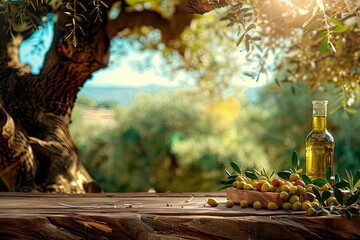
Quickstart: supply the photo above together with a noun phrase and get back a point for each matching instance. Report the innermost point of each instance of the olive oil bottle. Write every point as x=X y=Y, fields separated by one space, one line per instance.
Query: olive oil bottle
x=319 y=143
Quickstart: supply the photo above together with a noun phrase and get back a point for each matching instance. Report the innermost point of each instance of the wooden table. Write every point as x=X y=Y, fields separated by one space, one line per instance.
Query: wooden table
x=157 y=216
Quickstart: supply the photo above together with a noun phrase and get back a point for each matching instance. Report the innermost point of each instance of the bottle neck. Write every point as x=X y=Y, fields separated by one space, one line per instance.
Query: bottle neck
x=319 y=123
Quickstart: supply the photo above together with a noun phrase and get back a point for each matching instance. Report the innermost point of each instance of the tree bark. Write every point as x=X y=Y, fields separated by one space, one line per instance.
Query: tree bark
x=37 y=152
x=200 y=7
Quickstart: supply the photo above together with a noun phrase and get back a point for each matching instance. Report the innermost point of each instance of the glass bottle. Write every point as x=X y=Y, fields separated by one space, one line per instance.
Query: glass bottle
x=319 y=143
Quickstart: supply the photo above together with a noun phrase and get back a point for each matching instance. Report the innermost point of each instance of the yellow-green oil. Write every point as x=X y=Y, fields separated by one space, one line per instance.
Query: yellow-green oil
x=319 y=149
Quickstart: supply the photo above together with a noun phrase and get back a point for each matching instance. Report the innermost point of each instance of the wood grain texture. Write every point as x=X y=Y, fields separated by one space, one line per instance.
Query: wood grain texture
x=156 y=216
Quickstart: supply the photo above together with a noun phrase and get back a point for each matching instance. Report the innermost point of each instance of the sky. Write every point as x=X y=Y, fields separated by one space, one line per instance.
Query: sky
x=33 y=53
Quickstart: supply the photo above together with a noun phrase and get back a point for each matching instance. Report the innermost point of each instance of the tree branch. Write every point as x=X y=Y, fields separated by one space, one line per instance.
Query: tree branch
x=170 y=28
x=197 y=6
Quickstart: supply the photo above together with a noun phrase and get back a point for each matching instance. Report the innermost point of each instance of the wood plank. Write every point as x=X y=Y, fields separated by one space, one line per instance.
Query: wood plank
x=156 y=216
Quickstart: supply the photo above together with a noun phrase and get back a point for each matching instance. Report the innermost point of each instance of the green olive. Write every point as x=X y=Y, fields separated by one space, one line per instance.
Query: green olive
x=305 y=206
x=293 y=198
x=257 y=205
x=272 y=206
x=310 y=211
x=296 y=206
x=315 y=205
x=229 y=204
x=284 y=195
x=244 y=204
x=212 y=202
x=286 y=206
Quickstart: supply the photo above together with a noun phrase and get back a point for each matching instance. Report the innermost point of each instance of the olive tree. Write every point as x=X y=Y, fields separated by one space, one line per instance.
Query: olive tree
x=319 y=43
x=36 y=150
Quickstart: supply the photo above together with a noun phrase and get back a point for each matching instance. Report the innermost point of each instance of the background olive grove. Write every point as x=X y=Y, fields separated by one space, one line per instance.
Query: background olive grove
x=162 y=142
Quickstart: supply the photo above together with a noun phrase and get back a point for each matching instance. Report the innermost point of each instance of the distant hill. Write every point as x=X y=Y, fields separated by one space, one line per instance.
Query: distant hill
x=125 y=95
x=120 y=95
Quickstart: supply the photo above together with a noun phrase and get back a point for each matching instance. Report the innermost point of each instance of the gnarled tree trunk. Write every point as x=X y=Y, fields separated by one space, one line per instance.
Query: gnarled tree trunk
x=36 y=150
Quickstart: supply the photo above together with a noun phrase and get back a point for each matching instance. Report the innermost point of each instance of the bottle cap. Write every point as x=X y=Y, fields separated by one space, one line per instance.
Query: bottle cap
x=320 y=107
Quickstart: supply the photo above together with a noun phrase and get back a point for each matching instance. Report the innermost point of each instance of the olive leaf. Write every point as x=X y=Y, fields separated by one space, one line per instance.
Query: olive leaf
x=323 y=34
x=251 y=175
x=82 y=6
x=342 y=184
x=75 y=41
x=251 y=26
x=295 y=160
x=351 y=200
x=348 y=214
x=320 y=3
x=350 y=179
x=350 y=110
x=255 y=38
x=240 y=40
x=357 y=184
x=233 y=176
x=227 y=172
x=320 y=182
x=338 y=195
x=105 y=5
x=356 y=178
x=230 y=181
x=328 y=173
x=236 y=167
x=316 y=41
x=354 y=211
x=337 y=177
x=223 y=182
x=336 y=22
x=257 y=172
x=308 y=21
x=316 y=192
x=324 y=196
x=284 y=174
x=340 y=29
x=324 y=45
x=325 y=211
x=68 y=6
x=306 y=179
x=312 y=28
x=247 y=42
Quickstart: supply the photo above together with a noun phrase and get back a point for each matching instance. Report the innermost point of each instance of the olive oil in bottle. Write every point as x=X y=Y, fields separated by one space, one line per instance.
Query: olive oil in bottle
x=319 y=143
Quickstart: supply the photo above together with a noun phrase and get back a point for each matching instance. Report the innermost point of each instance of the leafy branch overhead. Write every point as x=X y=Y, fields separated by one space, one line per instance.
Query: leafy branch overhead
x=26 y=15
x=314 y=42
x=245 y=21
x=318 y=39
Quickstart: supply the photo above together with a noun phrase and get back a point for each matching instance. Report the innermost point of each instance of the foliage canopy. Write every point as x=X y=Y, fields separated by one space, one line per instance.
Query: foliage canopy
x=315 y=42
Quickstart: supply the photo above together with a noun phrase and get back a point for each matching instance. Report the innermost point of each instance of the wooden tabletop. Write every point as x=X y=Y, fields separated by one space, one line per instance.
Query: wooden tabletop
x=157 y=216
